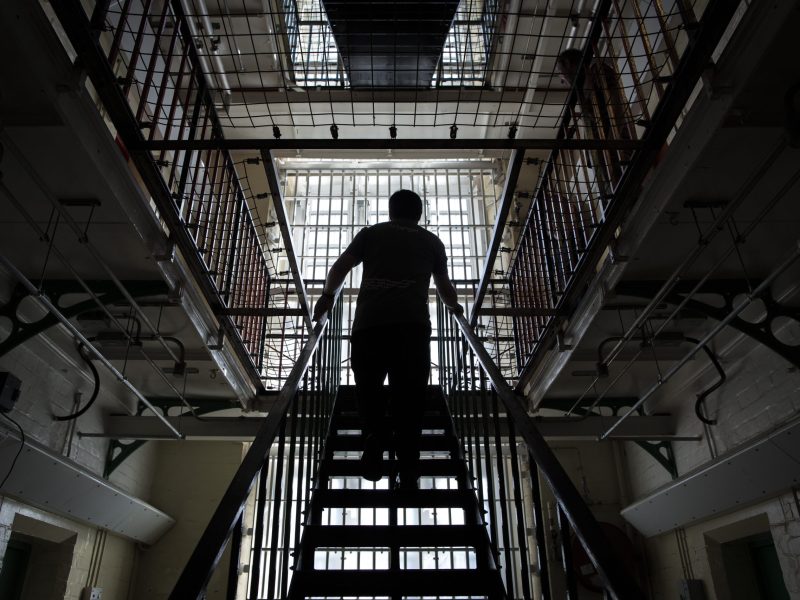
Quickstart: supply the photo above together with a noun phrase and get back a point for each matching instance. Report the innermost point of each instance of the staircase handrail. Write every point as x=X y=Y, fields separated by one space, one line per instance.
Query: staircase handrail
x=616 y=578
x=208 y=551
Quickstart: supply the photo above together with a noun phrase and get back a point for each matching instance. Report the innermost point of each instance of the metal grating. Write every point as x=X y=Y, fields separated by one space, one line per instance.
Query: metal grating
x=269 y=65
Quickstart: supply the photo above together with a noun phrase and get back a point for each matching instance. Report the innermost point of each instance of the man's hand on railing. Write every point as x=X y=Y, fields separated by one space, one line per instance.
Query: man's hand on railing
x=323 y=305
x=456 y=309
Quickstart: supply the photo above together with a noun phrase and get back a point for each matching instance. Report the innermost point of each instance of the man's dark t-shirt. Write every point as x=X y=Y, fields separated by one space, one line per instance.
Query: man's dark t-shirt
x=399 y=259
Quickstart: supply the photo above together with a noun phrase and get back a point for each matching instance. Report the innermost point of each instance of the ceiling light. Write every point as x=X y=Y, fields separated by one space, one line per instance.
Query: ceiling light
x=393 y=132
x=453 y=131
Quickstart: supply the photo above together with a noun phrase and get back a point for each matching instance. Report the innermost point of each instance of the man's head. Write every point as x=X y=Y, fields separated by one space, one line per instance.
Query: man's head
x=405 y=204
x=567 y=64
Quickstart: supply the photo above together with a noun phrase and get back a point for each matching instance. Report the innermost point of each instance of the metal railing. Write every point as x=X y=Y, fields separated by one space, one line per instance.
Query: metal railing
x=291 y=434
x=491 y=420
x=630 y=82
x=143 y=61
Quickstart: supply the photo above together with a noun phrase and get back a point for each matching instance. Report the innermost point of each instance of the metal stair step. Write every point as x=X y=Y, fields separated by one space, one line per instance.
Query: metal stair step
x=355 y=443
x=426 y=468
x=385 y=536
x=351 y=420
x=394 y=498
x=406 y=582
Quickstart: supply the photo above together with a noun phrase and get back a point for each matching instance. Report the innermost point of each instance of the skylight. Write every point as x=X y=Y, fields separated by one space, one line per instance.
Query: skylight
x=315 y=56
x=317 y=63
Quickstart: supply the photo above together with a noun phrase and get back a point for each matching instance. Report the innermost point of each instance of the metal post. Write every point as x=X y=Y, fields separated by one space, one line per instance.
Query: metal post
x=507 y=198
x=288 y=244
x=609 y=567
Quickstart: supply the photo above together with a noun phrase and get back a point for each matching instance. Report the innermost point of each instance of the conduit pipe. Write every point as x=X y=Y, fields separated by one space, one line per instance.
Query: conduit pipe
x=43 y=236
x=42 y=298
x=698 y=346
x=216 y=74
x=715 y=229
x=702 y=244
x=83 y=238
x=507 y=47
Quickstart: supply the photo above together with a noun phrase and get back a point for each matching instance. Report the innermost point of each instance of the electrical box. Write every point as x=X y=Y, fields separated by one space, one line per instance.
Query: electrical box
x=692 y=589
x=9 y=391
x=92 y=593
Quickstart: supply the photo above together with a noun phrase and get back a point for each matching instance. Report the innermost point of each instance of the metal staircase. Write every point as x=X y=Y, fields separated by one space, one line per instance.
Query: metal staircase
x=442 y=520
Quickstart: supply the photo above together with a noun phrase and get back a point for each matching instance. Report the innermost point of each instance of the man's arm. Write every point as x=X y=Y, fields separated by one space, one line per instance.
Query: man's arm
x=333 y=281
x=448 y=292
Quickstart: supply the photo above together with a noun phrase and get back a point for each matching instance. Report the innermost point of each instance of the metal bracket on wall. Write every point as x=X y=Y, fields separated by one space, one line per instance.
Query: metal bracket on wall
x=727 y=289
x=108 y=293
x=660 y=450
x=120 y=450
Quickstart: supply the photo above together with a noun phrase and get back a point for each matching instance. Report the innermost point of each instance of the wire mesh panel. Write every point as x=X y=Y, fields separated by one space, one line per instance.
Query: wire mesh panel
x=169 y=88
x=617 y=82
x=500 y=69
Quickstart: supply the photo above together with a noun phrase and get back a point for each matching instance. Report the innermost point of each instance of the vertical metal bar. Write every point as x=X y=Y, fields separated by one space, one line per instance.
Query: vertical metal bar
x=516 y=491
x=510 y=186
x=492 y=514
x=565 y=542
x=162 y=87
x=180 y=156
x=117 y=41
x=668 y=41
x=234 y=564
x=258 y=534
x=187 y=154
x=539 y=530
x=148 y=78
x=240 y=205
x=277 y=510
x=137 y=47
x=288 y=244
x=630 y=59
x=501 y=486
x=648 y=49
x=289 y=504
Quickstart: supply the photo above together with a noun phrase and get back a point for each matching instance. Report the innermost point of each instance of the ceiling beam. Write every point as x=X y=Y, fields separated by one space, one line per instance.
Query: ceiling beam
x=265 y=144
x=245 y=428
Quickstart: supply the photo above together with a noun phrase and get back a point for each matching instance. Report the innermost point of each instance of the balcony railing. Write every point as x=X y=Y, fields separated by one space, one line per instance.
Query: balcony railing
x=510 y=462
x=629 y=83
x=281 y=462
x=154 y=74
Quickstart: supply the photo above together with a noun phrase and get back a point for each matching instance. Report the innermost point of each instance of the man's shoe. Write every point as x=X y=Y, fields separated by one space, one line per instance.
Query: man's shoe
x=372 y=459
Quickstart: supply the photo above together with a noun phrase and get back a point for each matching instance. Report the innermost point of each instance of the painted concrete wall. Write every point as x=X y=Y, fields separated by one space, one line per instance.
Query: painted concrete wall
x=190 y=478
x=100 y=560
x=52 y=373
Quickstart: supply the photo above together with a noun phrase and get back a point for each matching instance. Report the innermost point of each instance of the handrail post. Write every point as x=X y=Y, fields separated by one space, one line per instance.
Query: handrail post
x=612 y=570
x=208 y=551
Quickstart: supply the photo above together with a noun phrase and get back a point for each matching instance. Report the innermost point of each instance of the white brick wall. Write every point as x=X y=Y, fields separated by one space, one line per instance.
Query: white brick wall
x=115 y=561
x=51 y=373
x=762 y=392
x=190 y=478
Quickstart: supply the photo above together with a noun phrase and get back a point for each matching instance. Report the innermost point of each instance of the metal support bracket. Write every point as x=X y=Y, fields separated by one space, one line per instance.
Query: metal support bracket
x=119 y=450
x=107 y=292
x=660 y=450
x=760 y=331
